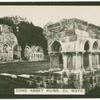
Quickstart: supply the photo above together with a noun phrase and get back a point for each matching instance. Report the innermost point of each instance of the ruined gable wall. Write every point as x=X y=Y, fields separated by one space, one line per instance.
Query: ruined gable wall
x=67 y=27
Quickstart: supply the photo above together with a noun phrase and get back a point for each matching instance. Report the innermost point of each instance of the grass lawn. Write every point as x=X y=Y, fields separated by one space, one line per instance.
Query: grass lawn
x=23 y=67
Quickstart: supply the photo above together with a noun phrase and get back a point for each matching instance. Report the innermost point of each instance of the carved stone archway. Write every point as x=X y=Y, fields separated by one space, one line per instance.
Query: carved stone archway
x=56 y=60
x=86 y=54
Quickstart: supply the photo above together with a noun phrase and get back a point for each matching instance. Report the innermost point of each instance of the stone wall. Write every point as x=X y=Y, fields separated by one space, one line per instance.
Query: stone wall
x=7 y=42
x=34 y=53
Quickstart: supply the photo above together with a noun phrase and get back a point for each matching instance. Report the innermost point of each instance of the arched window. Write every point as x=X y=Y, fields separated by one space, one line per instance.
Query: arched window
x=86 y=55
x=86 y=46
x=56 y=47
x=95 y=45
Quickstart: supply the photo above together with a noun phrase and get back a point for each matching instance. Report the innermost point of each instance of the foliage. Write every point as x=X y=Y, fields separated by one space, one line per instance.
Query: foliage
x=26 y=33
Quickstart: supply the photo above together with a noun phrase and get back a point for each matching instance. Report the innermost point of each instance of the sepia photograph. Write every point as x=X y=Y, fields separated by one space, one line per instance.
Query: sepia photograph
x=49 y=50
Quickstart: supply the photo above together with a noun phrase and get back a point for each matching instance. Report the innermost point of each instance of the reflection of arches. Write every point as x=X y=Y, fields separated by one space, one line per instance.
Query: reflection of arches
x=95 y=45
x=86 y=54
x=56 y=46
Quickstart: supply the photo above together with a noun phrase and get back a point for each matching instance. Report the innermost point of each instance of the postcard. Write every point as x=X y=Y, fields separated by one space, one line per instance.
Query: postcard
x=49 y=50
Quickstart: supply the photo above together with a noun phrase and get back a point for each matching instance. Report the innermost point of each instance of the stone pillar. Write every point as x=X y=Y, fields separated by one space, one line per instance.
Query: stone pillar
x=77 y=48
x=97 y=58
x=76 y=65
x=50 y=55
x=79 y=61
x=90 y=60
x=74 y=61
x=64 y=61
x=82 y=61
x=80 y=80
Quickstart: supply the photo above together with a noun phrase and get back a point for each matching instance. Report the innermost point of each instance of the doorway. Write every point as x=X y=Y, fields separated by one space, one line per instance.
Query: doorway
x=56 y=58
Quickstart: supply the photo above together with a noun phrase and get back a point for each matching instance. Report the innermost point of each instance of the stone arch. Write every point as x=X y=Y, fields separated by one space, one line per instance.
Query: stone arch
x=87 y=45
x=56 y=58
x=95 y=45
x=86 y=54
x=94 y=54
x=56 y=46
x=7 y=54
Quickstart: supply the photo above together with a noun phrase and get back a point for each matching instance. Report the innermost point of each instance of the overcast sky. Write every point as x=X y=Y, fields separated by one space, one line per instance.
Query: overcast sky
x=40 y=15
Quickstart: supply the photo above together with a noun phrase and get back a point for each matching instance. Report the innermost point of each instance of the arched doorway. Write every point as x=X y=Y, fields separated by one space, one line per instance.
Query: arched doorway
x=86 y=55
x=56 y=58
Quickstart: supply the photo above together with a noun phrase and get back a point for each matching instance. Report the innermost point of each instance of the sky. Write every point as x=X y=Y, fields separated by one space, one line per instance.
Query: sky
x=41 y=15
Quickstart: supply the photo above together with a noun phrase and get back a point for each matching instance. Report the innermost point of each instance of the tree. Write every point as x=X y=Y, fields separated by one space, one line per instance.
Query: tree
x=26 y=32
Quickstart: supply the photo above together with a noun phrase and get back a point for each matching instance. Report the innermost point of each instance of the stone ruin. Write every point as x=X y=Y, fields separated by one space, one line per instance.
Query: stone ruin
x=74 y=47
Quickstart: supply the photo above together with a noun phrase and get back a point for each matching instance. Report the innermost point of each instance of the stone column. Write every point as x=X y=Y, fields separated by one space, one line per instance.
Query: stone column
x=74 y=61
x=78 y=61
x=51 y=58
x=80 y=80
x=82 y=61
x=97 y=58
x=76 y=65
x=90 y=60
x=64 y=61
x=77 y=49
